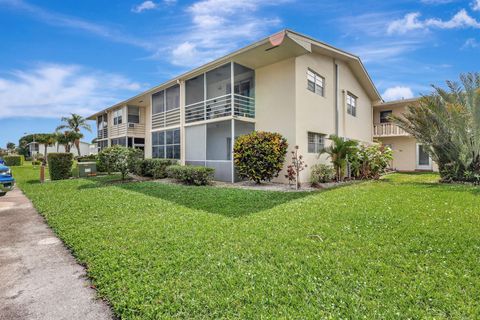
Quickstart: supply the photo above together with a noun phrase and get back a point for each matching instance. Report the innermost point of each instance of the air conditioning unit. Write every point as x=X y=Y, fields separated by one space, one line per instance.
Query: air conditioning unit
x=131 y=125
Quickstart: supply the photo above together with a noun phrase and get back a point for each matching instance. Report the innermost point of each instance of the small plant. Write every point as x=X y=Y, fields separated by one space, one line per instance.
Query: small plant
x=191 y=175
x=118 y=159
x=339 y=152
x=294 y=169
x=321 y=173
x=259 y=156
x=60 y=165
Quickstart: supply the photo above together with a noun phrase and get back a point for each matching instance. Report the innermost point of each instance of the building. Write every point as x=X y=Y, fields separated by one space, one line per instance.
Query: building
x=287 y=83
x=408 y=155
x=85 y=148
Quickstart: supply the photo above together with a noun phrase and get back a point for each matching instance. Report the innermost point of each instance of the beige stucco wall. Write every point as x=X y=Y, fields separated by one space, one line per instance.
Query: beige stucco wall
x=404 y=152
x=275 y=101
x=359 y=127
x=396 y=110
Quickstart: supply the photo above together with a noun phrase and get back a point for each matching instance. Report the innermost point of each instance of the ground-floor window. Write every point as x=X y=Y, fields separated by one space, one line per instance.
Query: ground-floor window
x=316 y=142
x=102 y=144
x=166 y=144
x=119 y=141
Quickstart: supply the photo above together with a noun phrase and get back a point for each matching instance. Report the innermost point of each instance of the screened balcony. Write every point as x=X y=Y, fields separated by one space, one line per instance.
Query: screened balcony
x=210 y=96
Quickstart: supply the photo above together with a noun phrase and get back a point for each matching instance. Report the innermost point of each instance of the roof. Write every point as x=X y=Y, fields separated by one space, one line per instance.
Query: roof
x=293 y=44
x=394 y=102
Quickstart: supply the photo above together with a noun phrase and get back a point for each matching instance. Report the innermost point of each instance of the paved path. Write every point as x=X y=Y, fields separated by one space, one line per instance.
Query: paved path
x=39 y=279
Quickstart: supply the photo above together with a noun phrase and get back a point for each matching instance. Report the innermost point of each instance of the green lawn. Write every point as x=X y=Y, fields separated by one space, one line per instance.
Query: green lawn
x=403 y=247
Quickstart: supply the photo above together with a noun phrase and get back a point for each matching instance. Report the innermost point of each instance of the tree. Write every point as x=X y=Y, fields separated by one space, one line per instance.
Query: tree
x=10 y=146
x=339 y=151
x=259 y=156
x=68 y=138
x=120 y=159
x=447 y=123
x=75 y=123
x=47 y=140
x=294 y=169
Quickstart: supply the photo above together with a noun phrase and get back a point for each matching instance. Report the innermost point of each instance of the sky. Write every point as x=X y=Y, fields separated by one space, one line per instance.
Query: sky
x=59 y=57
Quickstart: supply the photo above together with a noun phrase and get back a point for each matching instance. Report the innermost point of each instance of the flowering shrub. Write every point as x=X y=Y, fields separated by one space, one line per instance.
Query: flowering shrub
x=321 y=173
x=119 y=159
x=369 y=162
x=259 y=156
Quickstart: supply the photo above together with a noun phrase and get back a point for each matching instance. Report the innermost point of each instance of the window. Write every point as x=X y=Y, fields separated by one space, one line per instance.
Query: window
x=316 y=142
x=117 y=117
x=173 y=97
x=102 y=144
x=315 y=83
x=166 y=144
x=158 y=102
x=119 y=141
x=101 y=126
x=351 y=104
x=133 y=114
x=384 y=116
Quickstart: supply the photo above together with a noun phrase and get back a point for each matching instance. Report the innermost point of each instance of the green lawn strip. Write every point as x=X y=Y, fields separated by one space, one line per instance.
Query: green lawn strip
x=401 y=247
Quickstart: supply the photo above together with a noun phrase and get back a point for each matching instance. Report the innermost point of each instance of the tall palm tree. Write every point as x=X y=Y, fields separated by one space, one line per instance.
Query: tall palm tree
x=75 y=123
x=338 y=152
x=47 y=140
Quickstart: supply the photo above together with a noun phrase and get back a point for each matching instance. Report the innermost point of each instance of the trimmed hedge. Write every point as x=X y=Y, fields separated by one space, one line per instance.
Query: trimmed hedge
x=199 y=176
x=16 y=160
x=60 y=165
x=155 y=168
x=89 y=158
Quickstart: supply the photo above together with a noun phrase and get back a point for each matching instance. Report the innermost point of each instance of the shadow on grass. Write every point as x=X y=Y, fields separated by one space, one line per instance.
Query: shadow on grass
x=230 y=202
x=430 y=181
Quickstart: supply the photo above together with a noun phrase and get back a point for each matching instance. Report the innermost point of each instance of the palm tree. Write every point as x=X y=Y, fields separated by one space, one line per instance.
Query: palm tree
x=47 y=140
x=75 y=123
x=338 y=152
x=447 y=123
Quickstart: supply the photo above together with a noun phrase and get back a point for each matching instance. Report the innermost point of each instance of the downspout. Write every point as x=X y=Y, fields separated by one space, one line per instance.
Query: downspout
x=336 y=98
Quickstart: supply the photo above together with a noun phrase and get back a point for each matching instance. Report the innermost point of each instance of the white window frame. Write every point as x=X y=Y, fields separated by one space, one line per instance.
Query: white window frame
x=117 y=115
x=316 y=81
x=352 y=104
x=316 y=140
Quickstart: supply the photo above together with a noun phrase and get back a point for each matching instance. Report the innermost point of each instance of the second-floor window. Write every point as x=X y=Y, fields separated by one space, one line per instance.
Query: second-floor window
x=351 y=104
x=117 y=117
x=315 y=83
x=385 y=116
x=166 y=100
x=133 y=114
x=316 y=142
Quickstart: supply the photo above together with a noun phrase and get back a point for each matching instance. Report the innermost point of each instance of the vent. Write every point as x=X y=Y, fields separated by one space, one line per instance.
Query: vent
x=131 y=125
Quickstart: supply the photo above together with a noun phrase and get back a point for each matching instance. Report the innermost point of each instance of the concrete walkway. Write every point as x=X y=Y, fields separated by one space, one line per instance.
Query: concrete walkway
x=39 y=279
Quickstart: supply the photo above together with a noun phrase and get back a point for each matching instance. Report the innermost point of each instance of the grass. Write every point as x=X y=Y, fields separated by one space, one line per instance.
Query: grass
x=402 y=247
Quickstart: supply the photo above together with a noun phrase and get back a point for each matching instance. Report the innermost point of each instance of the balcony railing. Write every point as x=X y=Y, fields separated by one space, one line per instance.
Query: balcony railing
x=219 y=107
x=388 y=130
x=166 y=119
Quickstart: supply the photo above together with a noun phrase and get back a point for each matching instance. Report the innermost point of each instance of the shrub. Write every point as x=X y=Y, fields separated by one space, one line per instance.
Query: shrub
x=370 y=161
x=294 y=169
x=119 y=159
x=89 y=158
x=155 y=168
x=36 y=162
x=259 y=156
x=321 y=173
x=60 y=165
x=16 y=160
x=191 y=175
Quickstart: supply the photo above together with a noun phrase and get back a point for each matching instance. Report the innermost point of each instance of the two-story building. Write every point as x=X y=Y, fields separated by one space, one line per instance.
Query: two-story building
x=288 y=83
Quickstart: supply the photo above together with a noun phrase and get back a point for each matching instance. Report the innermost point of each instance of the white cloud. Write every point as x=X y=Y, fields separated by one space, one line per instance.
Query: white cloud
x=470 y=43
x=219 y=26
x=146 y=5
x=476 y=5
x=65 y=21
x=397 y=93
x=412 y=21
x=53 y=90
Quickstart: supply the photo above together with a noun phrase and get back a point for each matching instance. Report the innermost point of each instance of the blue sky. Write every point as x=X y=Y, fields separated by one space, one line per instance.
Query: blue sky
x=68 y=56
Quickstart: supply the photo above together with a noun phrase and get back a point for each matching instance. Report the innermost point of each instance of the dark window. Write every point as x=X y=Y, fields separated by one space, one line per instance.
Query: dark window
x=173 y=98
x=166 y=144
x=158 y=102
x=133 y=114
x=384 y=116
x=117 y=117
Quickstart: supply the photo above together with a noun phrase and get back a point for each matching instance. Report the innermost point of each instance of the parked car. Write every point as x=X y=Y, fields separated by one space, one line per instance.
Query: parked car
x=6 y=180
x=2 y=162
